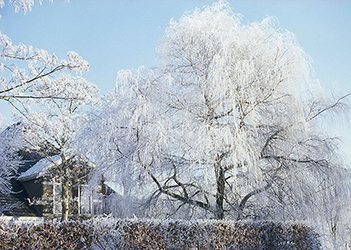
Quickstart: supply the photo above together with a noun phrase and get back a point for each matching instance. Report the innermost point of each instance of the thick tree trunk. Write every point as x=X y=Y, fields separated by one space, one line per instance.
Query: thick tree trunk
x=65 y=195
x=65 y=192
x=220 y=181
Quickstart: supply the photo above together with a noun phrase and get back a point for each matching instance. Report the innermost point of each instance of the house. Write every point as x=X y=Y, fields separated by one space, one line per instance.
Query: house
x=42 y=184
x=16 y=203
x=36 y=186
x=37 y=190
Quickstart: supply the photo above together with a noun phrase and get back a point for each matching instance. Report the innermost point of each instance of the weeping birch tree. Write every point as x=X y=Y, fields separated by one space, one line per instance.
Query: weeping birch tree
x=226 y=125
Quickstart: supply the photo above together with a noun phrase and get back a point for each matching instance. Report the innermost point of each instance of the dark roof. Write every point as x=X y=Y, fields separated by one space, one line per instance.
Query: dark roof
x=41 y=168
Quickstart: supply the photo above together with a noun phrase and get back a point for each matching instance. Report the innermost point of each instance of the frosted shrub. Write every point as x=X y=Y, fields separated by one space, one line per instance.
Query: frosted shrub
x=153 y=234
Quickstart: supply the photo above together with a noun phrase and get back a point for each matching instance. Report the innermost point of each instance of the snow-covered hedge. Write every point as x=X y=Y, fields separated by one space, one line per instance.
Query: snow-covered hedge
x=109 y=233
x=210 y=234
x=47 y=235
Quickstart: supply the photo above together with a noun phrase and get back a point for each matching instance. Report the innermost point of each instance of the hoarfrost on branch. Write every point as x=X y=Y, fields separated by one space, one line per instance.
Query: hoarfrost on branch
x=226 y=125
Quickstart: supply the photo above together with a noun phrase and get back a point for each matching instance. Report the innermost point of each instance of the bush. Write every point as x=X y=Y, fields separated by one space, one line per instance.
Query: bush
x=109 y=233
x=143 y=234
x=48 y=235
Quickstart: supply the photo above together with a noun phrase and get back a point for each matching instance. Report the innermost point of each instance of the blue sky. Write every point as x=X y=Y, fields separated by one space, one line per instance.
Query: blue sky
x=113 y=35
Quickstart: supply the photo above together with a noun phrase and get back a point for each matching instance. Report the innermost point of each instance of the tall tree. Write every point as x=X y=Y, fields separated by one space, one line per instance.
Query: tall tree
x=43 y=78
x=56 y=124
x=34 y=79
x=9 y=160
x=25 y=5
x=227 y=124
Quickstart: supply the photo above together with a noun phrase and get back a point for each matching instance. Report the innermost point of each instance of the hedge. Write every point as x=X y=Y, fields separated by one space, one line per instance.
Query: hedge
x=110 y=233
x=141 y=234
x=47 y=235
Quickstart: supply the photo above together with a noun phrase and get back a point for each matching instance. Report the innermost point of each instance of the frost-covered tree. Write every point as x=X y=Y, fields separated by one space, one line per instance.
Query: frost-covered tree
x=8 y=160
x=25 y=5
x=30 y=74
x=12 y=149
x=226 y=126
x=227 y=123
x=11 y=152
x=33 y=79
x=56 y=124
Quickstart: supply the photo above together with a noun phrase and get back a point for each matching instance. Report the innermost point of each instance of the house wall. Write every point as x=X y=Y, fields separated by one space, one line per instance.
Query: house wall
x=34 y=190
x=48 y=196
x=45 y=195
x=42 y=194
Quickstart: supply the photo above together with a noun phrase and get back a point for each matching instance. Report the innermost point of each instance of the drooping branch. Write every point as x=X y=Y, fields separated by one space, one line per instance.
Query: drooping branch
x=248 y=196
x=278 y=158
x=331 y=107
x=185 y=199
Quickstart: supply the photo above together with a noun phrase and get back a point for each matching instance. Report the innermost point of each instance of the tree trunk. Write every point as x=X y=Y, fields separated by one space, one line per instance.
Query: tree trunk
x=65 y=195
x=65 y=192
x=220 y=181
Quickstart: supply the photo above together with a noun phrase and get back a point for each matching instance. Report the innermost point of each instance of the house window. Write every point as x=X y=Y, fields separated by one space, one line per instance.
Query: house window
x=57 y=190
x=90 y=203
x=84 y=200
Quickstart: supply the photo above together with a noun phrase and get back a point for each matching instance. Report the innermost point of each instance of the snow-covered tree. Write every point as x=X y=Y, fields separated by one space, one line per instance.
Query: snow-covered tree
x=33 y=79
x=226 y=126
x=12 y=150
x=11 y=159
x=32 y=74
x=8 y=160
x=25 y=5
x=41 y=78
x=56 y=125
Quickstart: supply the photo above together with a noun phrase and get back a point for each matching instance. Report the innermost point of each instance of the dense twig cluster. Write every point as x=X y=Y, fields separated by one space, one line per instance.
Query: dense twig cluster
x=49 y=235
x=152 y=234
x=212 y=234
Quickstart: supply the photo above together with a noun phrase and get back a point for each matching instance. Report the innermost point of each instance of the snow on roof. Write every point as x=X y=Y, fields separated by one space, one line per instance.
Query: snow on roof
x=114 y=186
x=40 y=168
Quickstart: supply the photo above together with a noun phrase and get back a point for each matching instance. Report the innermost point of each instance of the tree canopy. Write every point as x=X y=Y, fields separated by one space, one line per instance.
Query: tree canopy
x=225 y=126
x=47 y=94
